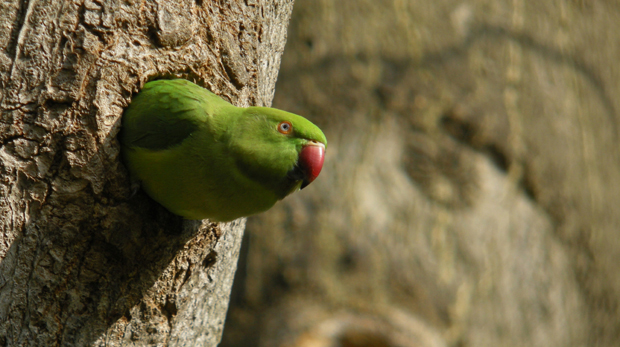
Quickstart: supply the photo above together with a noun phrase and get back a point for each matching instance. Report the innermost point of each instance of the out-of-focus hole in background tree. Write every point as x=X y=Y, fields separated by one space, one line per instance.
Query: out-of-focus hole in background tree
x=470 y=191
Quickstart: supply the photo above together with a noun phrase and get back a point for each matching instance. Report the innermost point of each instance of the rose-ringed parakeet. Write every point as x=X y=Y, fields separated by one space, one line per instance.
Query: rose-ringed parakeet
x=201 y=157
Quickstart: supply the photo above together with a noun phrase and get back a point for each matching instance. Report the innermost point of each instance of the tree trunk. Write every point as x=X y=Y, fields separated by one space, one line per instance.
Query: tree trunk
x=82 y=261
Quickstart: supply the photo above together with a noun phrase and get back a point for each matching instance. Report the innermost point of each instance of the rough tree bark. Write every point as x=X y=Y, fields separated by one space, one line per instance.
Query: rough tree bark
x=82 y=262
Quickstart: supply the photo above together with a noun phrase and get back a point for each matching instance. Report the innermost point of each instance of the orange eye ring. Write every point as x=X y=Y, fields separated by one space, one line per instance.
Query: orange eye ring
x=285 y=127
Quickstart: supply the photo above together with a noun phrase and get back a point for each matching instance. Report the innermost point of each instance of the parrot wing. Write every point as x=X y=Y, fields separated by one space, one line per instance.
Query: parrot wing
x=164 y=114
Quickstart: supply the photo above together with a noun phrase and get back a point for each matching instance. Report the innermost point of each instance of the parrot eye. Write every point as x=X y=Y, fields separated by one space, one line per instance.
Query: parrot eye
x=285 y=127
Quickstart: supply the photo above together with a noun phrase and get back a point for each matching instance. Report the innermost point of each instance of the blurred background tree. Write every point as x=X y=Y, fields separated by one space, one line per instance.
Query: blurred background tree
x=472 y=182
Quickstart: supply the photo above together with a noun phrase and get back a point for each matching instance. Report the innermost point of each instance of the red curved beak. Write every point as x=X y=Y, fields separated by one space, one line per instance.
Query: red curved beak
x=311 y=160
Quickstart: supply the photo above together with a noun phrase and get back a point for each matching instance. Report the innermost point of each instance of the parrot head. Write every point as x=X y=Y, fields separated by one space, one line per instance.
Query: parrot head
x=283 y=151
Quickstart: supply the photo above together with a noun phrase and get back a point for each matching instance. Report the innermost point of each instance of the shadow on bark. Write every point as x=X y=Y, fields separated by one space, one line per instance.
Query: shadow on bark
x=91 y=280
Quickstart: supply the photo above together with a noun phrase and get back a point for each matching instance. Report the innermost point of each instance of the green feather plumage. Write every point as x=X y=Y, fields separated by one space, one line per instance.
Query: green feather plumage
x=201 y=157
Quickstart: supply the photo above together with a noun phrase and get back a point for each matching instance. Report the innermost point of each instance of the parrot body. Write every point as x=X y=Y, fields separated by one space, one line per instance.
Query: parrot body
x=201 y=157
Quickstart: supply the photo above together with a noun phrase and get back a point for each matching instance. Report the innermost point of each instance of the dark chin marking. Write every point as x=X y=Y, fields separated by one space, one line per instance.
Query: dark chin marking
x=297 y=174
x=304 y=184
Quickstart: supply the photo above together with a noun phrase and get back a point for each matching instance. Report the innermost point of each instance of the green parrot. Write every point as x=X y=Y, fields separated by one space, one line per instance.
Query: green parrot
x=201 y=157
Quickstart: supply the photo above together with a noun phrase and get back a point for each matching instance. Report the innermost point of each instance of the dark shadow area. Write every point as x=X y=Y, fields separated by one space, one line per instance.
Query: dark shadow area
x=90 y=274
